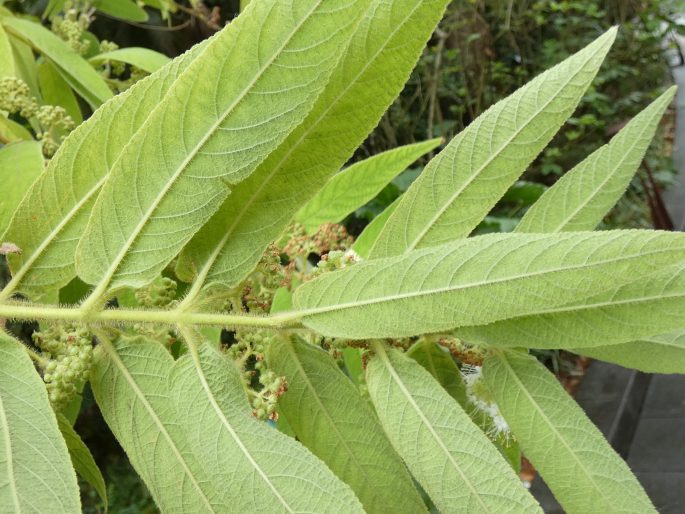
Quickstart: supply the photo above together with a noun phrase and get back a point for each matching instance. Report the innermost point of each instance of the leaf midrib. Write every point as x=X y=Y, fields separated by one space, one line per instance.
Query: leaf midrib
x=207 y=268
x=111 y=351
x=290 y=347
x=380 y=351
x=4 y=427
x=54 y=233
x=427 y=228
x=599 y=188
x=197 y=364
x=502 y=358
x=483 y=283
x=111 y=272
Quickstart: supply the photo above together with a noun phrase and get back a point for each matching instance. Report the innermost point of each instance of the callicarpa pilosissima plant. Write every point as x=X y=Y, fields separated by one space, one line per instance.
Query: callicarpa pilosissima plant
x=391 y=376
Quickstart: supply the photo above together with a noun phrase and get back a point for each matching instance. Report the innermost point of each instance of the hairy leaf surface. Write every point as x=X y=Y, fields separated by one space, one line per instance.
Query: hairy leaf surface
x=6 y=58
x=358 y=184
x=262 y=469
x=143 y=58
x=330 y=417
x=75 y=70
x=82 y=459
x=580 y=199
x=471 y=174
x=441 y=366
x=664 y=353
x=445 y=451
x=572 y=455
x=271 y=63
x=130 y=384
x=373 y=70
x=363 y=244
x=35 y=470
x=20 y=165
x=499 y=276
x=651 y=304
x=53 y=215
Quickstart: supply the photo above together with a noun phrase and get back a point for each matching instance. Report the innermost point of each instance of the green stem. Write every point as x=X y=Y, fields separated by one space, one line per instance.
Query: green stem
x=25 y=311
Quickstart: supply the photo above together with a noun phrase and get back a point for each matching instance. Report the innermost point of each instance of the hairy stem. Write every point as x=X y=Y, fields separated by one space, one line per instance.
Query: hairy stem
x=27 y=311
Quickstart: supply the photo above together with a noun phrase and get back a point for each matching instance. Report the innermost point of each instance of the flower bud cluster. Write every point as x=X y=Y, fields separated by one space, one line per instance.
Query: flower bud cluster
x=54 y=122
x=68 y=353
x=15 y=97
x=73 y=23
x=328 y=237
x=263 y=386
x=159 y=293
x=260 y=287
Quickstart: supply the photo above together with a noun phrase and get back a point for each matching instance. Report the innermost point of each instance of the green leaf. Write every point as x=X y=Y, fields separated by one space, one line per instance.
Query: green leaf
x=56 y=91
x=24 y=63
x=445 y=451
x=664 y=353
x=35 y=470
x=130 y=384
x=75 y=70
x=367 y=238
x=262 y=469
x=278 y=56
x=584 y=278
x=20 y=165
x=122 y=9
x=440 y=364
x=358 y=184
x=460 y=186
x=81 y=459
x=11 y=131
x=650 y=304
x=52 y=217
x=581 y=198
x=143 y=58
x=574 y=458
x=6 y=58
x=386 y=44
x=330 y=417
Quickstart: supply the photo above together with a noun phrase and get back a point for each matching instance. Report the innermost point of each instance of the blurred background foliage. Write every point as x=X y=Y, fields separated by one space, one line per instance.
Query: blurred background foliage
x=481 y=52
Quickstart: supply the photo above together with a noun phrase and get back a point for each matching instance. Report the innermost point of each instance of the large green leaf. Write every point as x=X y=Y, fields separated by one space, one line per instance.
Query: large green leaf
x=471 y=174
x=581 y=198
x=82 y=459
x=35 y=470
x=20 y=165
x=11 y=131
x=445 y=451
x=6 y=58
x=500 y=276
x=122 y=9
x=262 y=469
x=75 y=70
x=358 y=184
x=650 y=304
x=130 y=384
x=664 y=353
x=387 y=44
x=571 y=454
x=441 y=366
x=367 y=238
x=331 y=418
x=143 y=58
x=272 y=62
x=56 y=91
x=53 y=215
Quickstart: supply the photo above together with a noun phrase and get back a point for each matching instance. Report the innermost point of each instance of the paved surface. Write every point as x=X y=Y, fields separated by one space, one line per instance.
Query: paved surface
x=657 y=452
